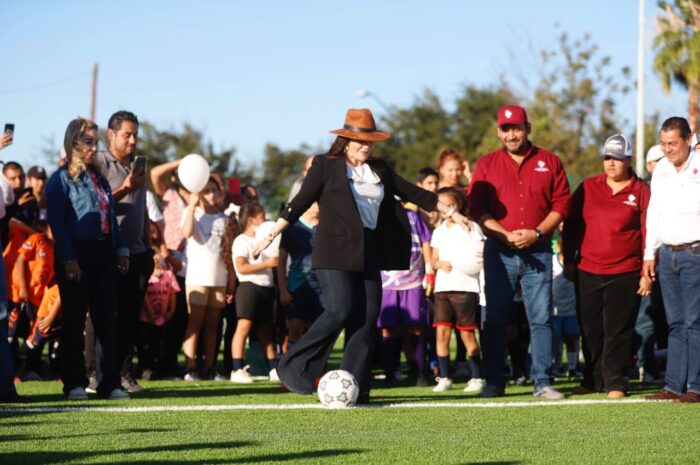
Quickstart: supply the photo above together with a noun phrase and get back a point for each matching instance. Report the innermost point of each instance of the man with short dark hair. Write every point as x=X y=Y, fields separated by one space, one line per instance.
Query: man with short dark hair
x=128 y=188
x=673 y=251
x=36 y=181
x=519 y=195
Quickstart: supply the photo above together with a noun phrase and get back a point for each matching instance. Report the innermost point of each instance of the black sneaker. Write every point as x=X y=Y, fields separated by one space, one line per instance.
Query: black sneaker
x=422 y=380
x=130 y=385
x=13 y=398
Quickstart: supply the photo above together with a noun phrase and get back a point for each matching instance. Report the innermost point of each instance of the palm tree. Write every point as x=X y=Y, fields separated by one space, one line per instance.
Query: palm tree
x=677 y=45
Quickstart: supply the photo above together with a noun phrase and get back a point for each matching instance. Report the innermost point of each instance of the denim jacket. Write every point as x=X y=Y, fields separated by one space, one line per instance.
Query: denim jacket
x=74 y=213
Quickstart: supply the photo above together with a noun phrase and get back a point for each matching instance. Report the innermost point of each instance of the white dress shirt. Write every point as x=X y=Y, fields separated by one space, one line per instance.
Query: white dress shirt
x=673 y=215
x=368 y=191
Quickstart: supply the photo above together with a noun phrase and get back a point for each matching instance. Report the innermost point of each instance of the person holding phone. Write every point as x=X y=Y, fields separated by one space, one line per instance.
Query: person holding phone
x=126 y=173
x=7 y=136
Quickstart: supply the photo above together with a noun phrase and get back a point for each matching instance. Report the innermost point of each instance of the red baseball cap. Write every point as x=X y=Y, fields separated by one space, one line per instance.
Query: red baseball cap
x=511 y=114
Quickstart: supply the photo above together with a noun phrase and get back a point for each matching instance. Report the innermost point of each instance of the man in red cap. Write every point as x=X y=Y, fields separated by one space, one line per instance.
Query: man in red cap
x=519 y=195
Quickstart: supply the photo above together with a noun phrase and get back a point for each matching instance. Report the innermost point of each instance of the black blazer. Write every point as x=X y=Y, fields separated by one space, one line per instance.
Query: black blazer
x=339 y=236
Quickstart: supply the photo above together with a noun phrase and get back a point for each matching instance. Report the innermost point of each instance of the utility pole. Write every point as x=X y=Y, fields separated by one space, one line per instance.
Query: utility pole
x=94 y=92
x=639 y=166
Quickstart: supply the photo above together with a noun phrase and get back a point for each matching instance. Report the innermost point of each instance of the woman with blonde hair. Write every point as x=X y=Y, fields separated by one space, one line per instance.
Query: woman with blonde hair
x=90 y=252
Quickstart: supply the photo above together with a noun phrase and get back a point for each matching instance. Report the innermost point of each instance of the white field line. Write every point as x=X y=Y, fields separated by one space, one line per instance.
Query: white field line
x=217 y=408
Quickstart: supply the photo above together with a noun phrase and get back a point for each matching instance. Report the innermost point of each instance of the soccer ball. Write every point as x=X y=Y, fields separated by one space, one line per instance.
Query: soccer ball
x=338 y=389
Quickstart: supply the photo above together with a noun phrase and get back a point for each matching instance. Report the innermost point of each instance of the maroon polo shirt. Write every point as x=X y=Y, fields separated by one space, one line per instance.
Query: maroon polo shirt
x=518 y=196
x=603 y=232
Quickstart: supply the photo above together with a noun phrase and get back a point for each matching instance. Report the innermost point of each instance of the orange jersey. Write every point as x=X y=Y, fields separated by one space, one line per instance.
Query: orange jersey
x=48 y=301
x=10 y=254
x=37 y=251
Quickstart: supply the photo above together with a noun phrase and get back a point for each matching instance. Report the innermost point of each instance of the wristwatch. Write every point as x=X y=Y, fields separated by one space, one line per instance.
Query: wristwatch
x=539 y=234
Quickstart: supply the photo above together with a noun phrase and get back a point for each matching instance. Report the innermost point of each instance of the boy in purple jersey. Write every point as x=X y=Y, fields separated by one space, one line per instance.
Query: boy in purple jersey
x=404 y=308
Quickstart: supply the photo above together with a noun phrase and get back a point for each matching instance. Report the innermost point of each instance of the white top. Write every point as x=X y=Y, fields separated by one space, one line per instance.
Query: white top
x=242 y=247
x=368 y=191
x=205 y=267
x=673 y=215
x=464 y=250
x=8 y=195
x=154 y=213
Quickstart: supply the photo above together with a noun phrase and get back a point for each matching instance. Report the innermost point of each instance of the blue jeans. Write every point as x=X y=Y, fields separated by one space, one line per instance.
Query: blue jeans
x=679 y=273
x=506 y=271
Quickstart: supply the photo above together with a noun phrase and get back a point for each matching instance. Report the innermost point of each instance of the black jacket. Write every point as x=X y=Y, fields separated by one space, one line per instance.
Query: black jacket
x=339 y=241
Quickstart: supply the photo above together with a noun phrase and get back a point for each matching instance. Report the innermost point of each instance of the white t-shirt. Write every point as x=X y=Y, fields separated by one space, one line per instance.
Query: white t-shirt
x=459 y=247
x=205 y=267
x=243 y=247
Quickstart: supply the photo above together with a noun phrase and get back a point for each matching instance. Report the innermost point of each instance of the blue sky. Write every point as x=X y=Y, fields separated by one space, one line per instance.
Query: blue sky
x=251 y=72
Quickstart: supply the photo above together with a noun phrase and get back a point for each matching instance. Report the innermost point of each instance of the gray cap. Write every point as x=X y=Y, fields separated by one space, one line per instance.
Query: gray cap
x=617 y=146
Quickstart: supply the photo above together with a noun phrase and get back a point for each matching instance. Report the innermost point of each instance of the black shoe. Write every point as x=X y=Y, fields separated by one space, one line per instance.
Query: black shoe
x=130 y=385
x=422 y=380
x=13 y=398
x=390 y=382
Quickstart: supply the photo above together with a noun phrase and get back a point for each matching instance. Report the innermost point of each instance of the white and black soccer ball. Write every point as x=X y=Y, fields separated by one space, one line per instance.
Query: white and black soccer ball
x=338 y=389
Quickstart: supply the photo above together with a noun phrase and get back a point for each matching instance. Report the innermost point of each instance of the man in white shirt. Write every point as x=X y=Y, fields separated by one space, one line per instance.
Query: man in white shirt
x=673 y=250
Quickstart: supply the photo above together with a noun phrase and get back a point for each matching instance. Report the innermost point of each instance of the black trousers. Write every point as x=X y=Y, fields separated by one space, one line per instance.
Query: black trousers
x=608 y=306
x=96 y=290
x=132 y=290
x=175 y=333
x=352 y=302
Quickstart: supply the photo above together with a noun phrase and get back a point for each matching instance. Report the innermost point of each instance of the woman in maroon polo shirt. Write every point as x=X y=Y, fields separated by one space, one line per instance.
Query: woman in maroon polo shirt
x=603 y=246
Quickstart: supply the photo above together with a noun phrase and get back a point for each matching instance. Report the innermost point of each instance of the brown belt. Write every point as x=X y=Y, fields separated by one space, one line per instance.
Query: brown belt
x=678 y=248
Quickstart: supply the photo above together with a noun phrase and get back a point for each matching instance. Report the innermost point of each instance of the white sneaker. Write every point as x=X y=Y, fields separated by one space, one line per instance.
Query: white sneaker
x=242 y=376
x=475 y=385
x=273 y=375
x=77 y=393
x=191 y=376
x=119 y=394
x=444 y=384
x=549 y=393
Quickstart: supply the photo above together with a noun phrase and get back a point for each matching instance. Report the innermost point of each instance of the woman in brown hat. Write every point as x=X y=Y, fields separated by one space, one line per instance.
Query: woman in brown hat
x=362 y=229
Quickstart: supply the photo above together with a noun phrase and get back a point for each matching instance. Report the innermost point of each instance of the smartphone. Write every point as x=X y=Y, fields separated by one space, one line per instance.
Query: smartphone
x=9 y=128
x=234 y=186
x=139 y=164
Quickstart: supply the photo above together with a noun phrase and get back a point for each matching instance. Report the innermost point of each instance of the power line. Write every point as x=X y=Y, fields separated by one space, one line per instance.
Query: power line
x=65 y=80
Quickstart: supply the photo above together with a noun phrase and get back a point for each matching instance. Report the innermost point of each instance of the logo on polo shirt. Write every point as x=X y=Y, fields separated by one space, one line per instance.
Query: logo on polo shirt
x=541 y=167
x=631 y=200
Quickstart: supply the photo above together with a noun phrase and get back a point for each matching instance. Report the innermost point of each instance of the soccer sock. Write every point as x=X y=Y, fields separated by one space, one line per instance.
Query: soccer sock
x=419 y=352
x=444 y=364
x=391 y=347
x=272 y=363
x=475 y=365
x=572 y=356
x=237 y=364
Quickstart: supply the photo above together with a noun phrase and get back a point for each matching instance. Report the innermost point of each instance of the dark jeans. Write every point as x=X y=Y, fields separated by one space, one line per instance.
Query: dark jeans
x=132 y=290
x=96 y=290
x=352 y=302
x=608 y=306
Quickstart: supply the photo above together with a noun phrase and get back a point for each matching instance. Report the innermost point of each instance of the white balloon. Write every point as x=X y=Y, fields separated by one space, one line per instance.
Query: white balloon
x=193 y=172
x=470 y=259
x=273 y=250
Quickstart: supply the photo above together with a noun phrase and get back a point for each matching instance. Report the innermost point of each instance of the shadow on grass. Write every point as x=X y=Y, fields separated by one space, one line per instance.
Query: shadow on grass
x=491 y=463
x=42 y=457
x=190 y=391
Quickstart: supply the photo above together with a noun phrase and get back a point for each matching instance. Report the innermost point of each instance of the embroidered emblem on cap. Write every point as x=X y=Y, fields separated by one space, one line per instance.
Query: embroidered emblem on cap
x=631 y=200
x=508 y=113
x=541 y=167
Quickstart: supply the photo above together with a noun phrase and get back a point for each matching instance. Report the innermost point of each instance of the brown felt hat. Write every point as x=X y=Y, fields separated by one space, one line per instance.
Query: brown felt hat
x=359 y=125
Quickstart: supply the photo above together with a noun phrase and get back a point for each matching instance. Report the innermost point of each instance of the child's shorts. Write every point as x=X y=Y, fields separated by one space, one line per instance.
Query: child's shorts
x=564 y=325
x=458 y=310
x=207 y=296
x=255 y=302
x=403 y=308
x=307 y=304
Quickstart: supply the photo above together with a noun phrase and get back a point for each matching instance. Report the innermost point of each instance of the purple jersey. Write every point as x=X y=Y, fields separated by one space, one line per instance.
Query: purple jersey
x=398 y=280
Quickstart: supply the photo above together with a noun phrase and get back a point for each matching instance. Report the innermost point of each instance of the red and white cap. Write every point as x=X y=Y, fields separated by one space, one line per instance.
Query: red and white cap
x=511 y=114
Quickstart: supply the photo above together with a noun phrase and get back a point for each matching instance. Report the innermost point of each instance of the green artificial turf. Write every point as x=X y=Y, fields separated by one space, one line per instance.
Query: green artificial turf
x=646 y=433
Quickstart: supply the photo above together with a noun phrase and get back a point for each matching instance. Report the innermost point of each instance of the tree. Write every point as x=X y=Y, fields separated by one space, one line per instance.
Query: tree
x=574 y=106
x=677 y=46
x=280 y=169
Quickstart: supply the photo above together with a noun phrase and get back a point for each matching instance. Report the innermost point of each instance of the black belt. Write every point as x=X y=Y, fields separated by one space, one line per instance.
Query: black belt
x=680 y=247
